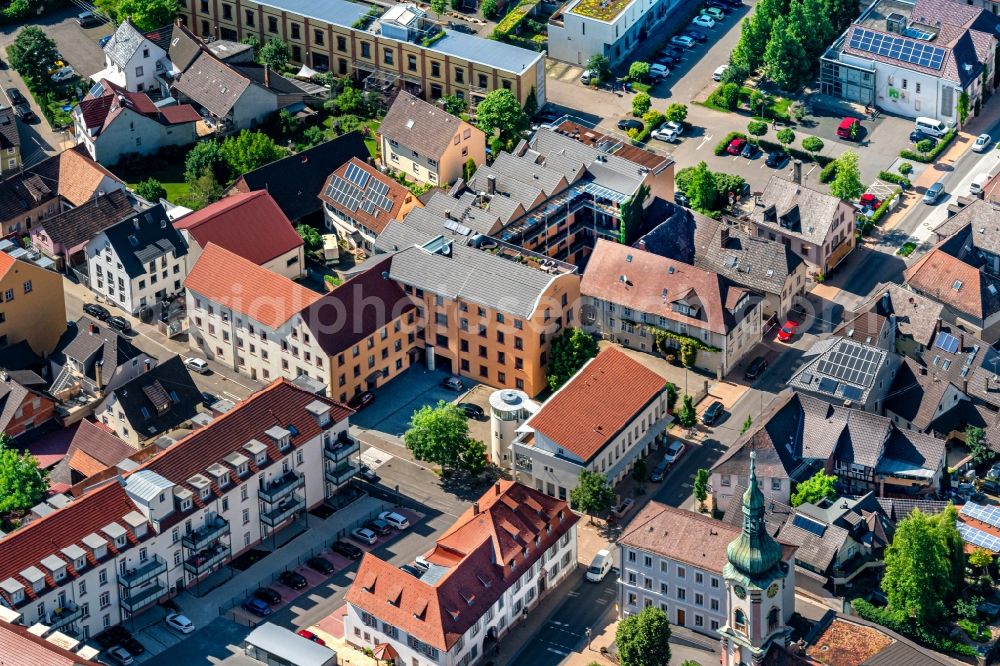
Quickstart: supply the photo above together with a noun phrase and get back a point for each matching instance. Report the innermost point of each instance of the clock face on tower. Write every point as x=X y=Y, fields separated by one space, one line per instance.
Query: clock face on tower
x=740 y=592
x=772 y=591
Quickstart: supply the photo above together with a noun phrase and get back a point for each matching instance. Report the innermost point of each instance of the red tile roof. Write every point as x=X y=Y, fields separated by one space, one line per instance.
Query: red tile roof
x=250 y=225
x=31 y=650
x=597 y=403
x=179 y=113
x=6 y=262
x=478 y=549
x=935 y=275
x=376 y=221
x=100 y=111
x=241 y=285
x=95 y=447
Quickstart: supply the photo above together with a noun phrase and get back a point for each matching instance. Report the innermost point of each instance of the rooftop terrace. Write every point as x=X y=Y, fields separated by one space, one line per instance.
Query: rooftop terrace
x=602 y=10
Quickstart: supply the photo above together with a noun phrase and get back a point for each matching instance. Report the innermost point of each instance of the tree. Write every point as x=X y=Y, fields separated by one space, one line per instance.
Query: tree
x=746 y=424
x=274 y=54
x=203 y=190
x=593 y=494
x=439 y=7
x=32 y=55
x=785 y=136
x=145 y=15
x=981 y=559
x=677 y=112
x=440 y=435
x=847 y=184
x=701 y=189
x=469 y=169
x=249 y=150
x=311 y=237
x=472 y=457
x=688 y=416
x=812 y=145
x=22 y=483
x=783 y=56
x=640 y=103
x=490 y=9
x=640 y=471
x=457 y=4
x=349 y=100
x=631 y=215
x=925 y=145
x=918 y=570
x=643 y=639
x=638 y=70
x=945 y=527
x=206 y=155
x=671 y=397
x=315 y=135
x=599 y=65
x=500 y=112
x=841 y=13
x=701 y=487
x=818 y=487
x=151 y=190
x=975 y=439
x=757 y=128
x=729 y=95
x=570 y=351
x=254 y=43
x=454 y=104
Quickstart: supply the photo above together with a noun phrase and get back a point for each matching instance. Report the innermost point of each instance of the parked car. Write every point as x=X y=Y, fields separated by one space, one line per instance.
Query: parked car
x=788 y=330
x=364 y=535
x=869 y=200
x=674 y=451
x=736 y=146
x=719 y=72
x=983 y=143
x=294 y=580
x=15 y=96
x=587 y=76
x=933 y=193
x=453 y=383
x=103 y=41
x=683 y=40
x=715 y=13
x=24 y=112
x=674 y=50
x=208 y=399
x=750 y=151
x=96 y=311
x=421 y=563
x=132 y=644
x=398 y=521
x=471 y=411
x=257 y=607
x=320 y=564
x=626 y=124
x=368 y=474
x=696 y=35
x=624 y=507
x=378 y=526
x=88 y=20
x=846 y=128
x=681 y=199
x=347 y=549
x=112 y=636
x=777 y=159
x=660 y=471
x=703 y=21
x=120 y=655
x=664 y=133
x=412 y=570
x=267 y=595
x=713 y=413
x=361 y=400
x=658 y=71
x=668 y=59
x=916 y=136
x=64 y=74
x=305 y=633
x=757 y=366
x=599 y=566
x=180 y=623
x=198 y=365
x=119 y=324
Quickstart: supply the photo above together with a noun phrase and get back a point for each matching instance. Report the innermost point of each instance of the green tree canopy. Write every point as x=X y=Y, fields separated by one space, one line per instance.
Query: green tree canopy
x=688 y=416
x=638 y=70
x=757 y=128
x=677 y=112
x=146 y=15
x=311 y=237
x=746 y=424
x=490 y=9
x=500 y=112
x=785 y=136
x=206 y=155
x=22 y=483
x=640 y=471
x=640 y=103
x=925 y=145
x=439 y=7
x=981 y=558
x=593 y=494
x=975 y=439
x=847 y=184
x=350 y=100
x=274 y=54
x=151 y=190
x=817 y=487
x=454 y=104
x=600 y=65
x=440 y=435
x=701 y=486
x=249 y=150
x=203 y=190
x=783 y=57
x=32 y=54
x=643 y=638
x=701 y=189
x=570 y=351
x=812 y=144
x=252 y=41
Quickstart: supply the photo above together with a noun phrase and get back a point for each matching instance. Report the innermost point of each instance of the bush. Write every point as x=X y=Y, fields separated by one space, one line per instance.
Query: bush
x=720 y=148
x=895 y=178
x=726 y=96
x=640 y=103
x=906 y=168
x=796 y=153
x=829 y=172
x=888 y=618
x=930 y=156
x=510 y=23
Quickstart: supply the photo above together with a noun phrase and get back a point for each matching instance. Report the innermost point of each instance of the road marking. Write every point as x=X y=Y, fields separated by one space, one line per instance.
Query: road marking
x=561 y=653
x=811 y=170
x=375 y=458
x=704 y=141
x=235 y=398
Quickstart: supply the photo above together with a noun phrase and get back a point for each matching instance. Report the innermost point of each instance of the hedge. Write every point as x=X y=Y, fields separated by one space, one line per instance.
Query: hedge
x=887 y=618
x=650 y=120
x=932 y=155
x=829 y=172
x=720 y=148
x=796 y=153
x=891 y=177
x=513 y=19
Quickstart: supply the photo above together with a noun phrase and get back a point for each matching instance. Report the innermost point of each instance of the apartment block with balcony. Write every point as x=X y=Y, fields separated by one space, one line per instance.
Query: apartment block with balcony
x=399 y=48
x=169 y=524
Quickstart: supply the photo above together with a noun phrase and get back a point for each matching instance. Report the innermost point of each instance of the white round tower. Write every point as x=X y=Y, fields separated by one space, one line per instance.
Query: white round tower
x=509 y=409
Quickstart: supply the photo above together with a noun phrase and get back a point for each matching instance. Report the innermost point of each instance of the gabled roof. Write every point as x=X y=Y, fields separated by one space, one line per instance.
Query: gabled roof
x=32 y=650
x=158 y=400
x=181 y=45
x=9 y=136
x=81 y=224
x=372 y=205
x=776 y=438
x=677 y=534
x=91 y=339
x=124 y=43
x=423 y=127
x=107 y=101
x=250 y=225
x=597 y=403
x=144 y=237
x=12 y=396
x=296 y=181
x=212 y=84
x=474 y=558
x=234 y=282
x=95 y=448
x=796 y=210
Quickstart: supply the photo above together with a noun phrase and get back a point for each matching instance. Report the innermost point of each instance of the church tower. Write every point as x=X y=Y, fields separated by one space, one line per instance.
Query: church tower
x=756 y=579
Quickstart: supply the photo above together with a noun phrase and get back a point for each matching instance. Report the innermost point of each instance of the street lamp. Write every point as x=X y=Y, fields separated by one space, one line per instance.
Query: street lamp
x=587 y=631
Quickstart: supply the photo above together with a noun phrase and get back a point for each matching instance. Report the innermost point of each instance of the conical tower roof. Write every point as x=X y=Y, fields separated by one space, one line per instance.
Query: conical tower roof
x=754 y=556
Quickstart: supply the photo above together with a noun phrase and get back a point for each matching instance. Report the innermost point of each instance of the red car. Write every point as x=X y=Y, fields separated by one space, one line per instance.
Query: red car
x=869 y=200
x=788 y=330
x=305 y=633
x=846 y=128
x=735 y=146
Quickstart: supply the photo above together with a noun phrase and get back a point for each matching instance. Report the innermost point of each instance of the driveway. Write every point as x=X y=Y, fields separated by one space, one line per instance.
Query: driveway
x=396 y=401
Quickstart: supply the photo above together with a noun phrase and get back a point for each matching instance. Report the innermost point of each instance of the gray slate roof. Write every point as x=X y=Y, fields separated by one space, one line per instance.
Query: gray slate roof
x=144 y=237
x=811 y=214
x=415 y=124
x=124 y=43
x=757 y=263
x=916 y=316
x=212 y=84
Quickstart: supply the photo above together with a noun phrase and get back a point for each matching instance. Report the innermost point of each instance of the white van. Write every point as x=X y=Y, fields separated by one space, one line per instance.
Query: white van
x=600 y=566
x=976 y=187
x=198 y=365
x=931 y=126
x=719 y=71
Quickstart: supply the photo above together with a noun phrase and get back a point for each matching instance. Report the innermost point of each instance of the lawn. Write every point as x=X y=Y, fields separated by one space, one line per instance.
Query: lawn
x=170 y=173
x=975 y=630
x=906 y=249
x=777 y=106
x=353 y=122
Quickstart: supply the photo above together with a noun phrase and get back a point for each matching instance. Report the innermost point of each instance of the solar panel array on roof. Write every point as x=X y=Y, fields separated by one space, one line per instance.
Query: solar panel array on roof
x=851 y=392
x=359 y=190
x=851 y=363
x=977 y=537
x=356 y=175
x=947 y=342
x=898 y=48
x=827 y=385
x=809 y=525
x=984 y=514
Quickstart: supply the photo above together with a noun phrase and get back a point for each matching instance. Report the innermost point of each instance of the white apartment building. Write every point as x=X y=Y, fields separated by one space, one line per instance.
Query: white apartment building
x=138 y=261
x=482 y=579
x=116 y=550
x=583 y=28
x=607 y=416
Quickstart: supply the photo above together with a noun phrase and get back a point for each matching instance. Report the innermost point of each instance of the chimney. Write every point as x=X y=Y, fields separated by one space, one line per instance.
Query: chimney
x=797 y=172
x=475 y=508
x=447 y=214
x=146 y=365
x=498 y=488
x=371 y=161
x=267 y=76
x=217 y=32
x=642 y=244
x=724 y=237
x=965 y=386
x=178 y=22
x=98 y=372
x=885 y=302
x=491 y=185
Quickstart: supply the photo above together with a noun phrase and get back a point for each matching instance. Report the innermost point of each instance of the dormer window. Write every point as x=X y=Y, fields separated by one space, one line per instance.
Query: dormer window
x=320 y=411
x=80 y=563
x=186 y=504
x=17 y=596
x=281 y=436
x=242 y=469
x=538 y=541
x=120 y=541
x=261 y=459
x=206 y=493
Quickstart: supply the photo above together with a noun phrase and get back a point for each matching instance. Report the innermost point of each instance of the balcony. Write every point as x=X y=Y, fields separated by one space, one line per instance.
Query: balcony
x=204 y=560
x=283 y=512
x=341 y=449
x=342 y=473
x=201 y=537
x=143 y=573
x=281 y=487
x=61 y=617
x=139 y=600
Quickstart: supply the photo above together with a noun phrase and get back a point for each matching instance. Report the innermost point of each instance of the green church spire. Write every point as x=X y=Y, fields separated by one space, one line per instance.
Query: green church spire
x=754 y=557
